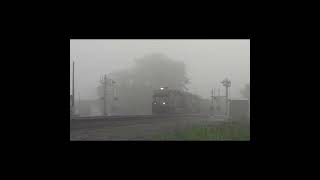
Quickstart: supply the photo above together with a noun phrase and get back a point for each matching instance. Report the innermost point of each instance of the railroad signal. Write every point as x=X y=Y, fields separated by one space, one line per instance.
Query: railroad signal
x=104 y=80
x=226 y=83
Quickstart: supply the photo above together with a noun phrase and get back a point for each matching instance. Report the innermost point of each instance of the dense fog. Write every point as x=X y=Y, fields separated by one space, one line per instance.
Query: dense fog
x=135 y=68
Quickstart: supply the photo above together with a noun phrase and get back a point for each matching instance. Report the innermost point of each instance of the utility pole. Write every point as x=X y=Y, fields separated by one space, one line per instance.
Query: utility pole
x=212 y=108
x=105 y=95
x=214 y=99
x=73 y=86
x=212 y=96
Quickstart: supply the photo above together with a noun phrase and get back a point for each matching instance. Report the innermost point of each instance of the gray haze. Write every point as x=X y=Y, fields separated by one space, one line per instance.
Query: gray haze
x=207 y=62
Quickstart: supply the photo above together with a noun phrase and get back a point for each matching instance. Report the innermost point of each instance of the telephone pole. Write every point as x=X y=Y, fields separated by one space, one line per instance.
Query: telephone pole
x=105 y=95
x=212 y=96
x=214 y=99
x=73 y=85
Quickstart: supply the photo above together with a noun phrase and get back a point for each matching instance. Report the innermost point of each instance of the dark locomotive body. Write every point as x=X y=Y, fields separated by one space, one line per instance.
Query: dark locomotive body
x=166 y=101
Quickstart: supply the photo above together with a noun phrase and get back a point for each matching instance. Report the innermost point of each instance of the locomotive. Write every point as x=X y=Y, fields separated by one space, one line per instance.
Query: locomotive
x=169 y=101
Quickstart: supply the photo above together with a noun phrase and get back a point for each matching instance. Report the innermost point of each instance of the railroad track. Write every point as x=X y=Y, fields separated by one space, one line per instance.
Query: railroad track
x=93 y=122
x=135 y=117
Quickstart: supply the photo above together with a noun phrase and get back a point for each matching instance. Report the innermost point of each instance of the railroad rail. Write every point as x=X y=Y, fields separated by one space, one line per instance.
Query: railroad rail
x=136 y=117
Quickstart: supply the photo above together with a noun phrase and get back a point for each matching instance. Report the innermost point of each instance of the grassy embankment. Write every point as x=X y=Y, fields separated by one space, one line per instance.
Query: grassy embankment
x=222 y=131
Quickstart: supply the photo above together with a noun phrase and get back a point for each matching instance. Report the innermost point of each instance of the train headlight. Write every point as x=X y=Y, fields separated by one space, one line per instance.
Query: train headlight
x=163 y=103
x=161 y=88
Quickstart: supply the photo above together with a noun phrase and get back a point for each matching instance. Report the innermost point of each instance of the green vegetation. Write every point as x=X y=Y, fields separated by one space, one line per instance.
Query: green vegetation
x=222 y=131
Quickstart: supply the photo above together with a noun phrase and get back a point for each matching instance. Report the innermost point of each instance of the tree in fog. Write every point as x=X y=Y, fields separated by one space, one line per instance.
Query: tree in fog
x=135 y=85
x=246 y=91
x=156 y=70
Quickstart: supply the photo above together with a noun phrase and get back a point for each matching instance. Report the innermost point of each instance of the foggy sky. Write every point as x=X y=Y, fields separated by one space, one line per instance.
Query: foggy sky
x=208 y=62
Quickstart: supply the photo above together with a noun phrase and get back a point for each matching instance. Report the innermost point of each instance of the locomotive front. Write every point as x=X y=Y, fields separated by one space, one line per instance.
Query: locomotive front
x=174 y=102
x=160 y=104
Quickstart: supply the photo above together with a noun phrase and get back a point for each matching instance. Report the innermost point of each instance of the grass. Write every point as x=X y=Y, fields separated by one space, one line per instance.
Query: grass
x=223 y=131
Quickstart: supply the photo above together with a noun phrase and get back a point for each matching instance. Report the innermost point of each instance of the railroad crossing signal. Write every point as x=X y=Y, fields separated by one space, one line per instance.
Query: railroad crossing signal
x=226 y=82
x=104 y=81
